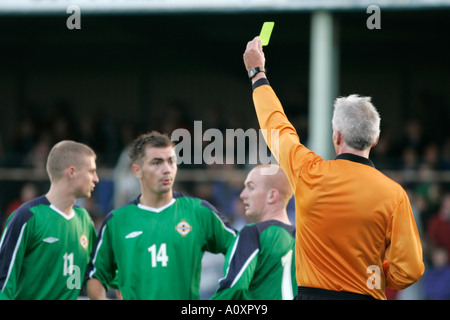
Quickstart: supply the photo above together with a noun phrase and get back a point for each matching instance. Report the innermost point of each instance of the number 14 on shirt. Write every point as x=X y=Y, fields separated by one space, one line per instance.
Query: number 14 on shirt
x=159 y=256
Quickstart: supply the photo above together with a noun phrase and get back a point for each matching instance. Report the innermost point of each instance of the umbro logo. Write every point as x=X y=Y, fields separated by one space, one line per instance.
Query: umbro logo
x=133 y=234
x=50 y=239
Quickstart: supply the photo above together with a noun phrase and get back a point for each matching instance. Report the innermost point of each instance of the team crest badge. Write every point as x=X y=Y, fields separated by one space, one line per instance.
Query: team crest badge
x=183 y=228
x=84 y=241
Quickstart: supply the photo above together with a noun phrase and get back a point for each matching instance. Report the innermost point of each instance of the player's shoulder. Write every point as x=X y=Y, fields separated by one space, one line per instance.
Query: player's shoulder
x=30 y=208
x=81 y=211
x=273 y=222
x=129 y=206
x=42 y=200
x=27 y=211
x=202 y=209
x=83 y=215
x=268 y=233
x=199 y=203
x=117 y=215
x=261 y=227
x=251 y=230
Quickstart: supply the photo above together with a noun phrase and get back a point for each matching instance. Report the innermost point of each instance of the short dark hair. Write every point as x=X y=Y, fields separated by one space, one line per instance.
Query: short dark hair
x=154 y=139
x=64 y=154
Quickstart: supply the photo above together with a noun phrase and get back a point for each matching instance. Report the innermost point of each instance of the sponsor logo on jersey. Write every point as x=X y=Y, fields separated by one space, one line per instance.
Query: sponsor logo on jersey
x=50 y=239
x=133 y=234
x=183 y=228
x=84 y=241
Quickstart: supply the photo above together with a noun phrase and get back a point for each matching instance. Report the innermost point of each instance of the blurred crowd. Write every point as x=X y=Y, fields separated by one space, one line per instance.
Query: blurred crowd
x=419 y=162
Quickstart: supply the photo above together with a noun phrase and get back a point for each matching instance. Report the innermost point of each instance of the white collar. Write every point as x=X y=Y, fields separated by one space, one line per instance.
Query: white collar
x=67 y=217
x=141 y=206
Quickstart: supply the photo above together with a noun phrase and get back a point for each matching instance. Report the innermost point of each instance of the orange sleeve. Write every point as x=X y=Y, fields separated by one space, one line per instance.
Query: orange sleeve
x=280 y=135
x=404 y=264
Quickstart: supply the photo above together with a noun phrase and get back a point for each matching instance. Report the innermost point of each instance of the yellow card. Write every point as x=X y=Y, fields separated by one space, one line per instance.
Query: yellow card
x=266 y=32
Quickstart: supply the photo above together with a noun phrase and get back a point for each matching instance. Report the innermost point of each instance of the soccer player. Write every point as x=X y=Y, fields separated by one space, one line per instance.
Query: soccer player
x=156 y=242
x=356 y=233
x=47 y=242
x=260 y=264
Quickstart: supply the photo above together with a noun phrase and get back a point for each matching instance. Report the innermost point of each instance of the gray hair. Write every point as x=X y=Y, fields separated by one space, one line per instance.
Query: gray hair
x=357 y=120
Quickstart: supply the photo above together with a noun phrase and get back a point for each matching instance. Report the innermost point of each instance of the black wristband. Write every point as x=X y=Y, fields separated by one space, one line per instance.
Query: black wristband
x=260 y=82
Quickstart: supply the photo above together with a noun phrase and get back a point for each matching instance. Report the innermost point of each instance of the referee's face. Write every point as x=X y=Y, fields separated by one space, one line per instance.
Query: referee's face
x=157 y=170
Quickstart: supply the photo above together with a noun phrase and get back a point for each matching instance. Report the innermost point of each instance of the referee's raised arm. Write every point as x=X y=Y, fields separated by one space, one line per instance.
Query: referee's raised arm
x=272 y=119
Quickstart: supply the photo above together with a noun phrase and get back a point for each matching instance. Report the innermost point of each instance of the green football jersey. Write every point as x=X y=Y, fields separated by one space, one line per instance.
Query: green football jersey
x=260 y=265
x=44 y=253
x=158 y=252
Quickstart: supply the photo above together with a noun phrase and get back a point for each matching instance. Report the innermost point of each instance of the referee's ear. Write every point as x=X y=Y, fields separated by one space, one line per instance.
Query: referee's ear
x=337 y=138
x=375 y=143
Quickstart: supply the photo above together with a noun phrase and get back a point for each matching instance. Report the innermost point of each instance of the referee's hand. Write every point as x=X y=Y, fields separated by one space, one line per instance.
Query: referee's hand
x=254 y=55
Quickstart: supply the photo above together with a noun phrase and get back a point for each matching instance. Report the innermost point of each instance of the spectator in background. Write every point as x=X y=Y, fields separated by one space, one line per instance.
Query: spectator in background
x=413 y=135
x=445 y=154
x=36 y=158
x=431 y=156
x=23 y=139
x=126 y=186
x=438 y=230
x=28 y=192
x=418 y=205
x=409 y=164
x=437 y=278
x=226 y=190
x=428 y=187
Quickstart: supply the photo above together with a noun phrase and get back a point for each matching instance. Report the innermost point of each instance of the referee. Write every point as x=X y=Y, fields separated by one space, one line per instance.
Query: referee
x=356 y=233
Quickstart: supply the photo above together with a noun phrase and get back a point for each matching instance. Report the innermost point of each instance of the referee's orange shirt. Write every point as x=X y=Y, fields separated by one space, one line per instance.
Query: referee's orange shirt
x=355 y=227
